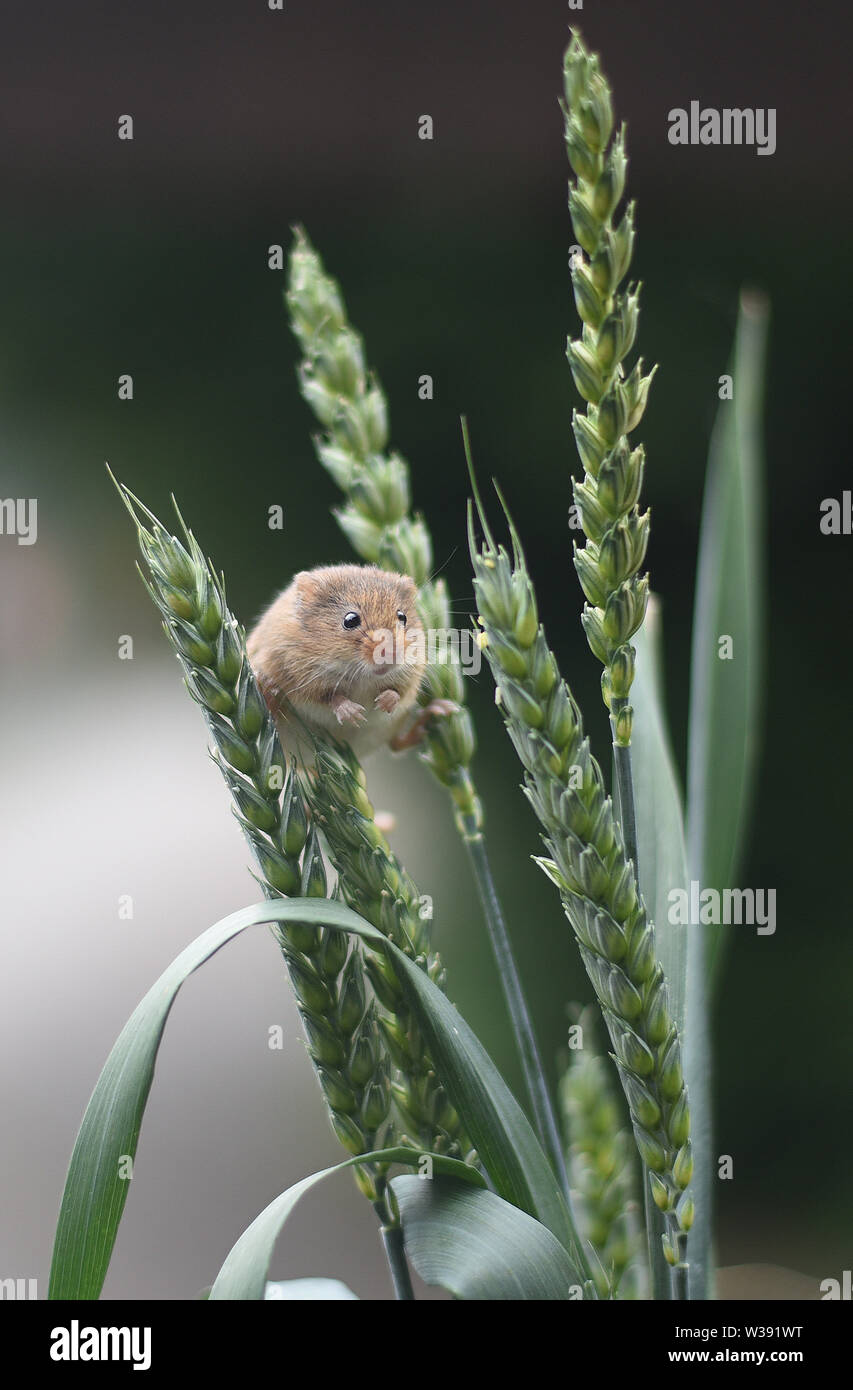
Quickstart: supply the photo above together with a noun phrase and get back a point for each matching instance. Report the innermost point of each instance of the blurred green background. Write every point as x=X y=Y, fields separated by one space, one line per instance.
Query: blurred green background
x=150 y=258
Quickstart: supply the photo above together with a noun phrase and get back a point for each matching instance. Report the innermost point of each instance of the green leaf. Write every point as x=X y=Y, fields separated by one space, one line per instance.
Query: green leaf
x=663 y=867
x=313 y=1289
x=496 y=1124
x=493 y=1119
x=94 y=1196
x=660 y=816
x=243 y=1276
x=479 y=1246
x=724 y=694
x=662 y=853
x=723 y=719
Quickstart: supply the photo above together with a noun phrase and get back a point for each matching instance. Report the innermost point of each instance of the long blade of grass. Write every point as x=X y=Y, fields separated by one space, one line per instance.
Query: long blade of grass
x=663 y=868
x=724 y=693
x=478 y=1246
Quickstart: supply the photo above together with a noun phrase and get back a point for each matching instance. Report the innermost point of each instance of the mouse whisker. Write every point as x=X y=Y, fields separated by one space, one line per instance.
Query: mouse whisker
x=431 y=577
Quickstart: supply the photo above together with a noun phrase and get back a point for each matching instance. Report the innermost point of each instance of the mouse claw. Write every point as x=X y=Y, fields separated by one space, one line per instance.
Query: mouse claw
x=387 y=700
x=348 y=712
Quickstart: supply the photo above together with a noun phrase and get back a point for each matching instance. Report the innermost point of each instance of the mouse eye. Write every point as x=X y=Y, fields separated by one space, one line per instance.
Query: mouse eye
x=401 y=618
x=352 y=620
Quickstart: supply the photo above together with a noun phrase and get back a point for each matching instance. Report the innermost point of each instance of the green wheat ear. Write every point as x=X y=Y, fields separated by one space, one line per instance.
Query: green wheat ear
x=616 y=533
x=376 y=517
x=342 y=1034
x=374 y=883
x=596 y=880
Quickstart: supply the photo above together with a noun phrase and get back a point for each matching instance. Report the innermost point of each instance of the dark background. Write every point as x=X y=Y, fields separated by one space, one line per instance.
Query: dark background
x=150 y=258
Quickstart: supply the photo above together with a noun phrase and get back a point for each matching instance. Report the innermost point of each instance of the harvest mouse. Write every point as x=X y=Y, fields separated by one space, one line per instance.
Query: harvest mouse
x=342 y=650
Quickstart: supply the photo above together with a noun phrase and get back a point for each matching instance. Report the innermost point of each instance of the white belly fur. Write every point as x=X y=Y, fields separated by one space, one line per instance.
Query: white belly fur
x=377 y=728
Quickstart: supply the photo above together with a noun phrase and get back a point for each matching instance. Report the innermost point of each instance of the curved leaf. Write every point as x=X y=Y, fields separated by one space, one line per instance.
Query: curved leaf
x=95 y=1193
x=495 y=1122
x=243 y=1276
x=479 y=1246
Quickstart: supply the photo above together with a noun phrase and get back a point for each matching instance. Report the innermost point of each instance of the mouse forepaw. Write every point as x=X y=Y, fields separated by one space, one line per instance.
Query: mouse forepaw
x=348 y=712
x=387 y=700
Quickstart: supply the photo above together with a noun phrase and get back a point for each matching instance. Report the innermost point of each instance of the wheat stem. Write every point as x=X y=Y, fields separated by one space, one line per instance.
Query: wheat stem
x=531 y=1061
x=392 y=1240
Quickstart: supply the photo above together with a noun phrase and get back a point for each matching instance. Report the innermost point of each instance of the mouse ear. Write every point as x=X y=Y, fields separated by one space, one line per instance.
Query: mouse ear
x=306 y=585
x=408 y=589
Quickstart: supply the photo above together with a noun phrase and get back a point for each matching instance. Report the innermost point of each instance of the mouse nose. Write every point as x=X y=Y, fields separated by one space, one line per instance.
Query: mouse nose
x=382 y=647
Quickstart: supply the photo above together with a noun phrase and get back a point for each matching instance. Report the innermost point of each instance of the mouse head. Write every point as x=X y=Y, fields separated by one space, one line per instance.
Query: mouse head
x=364 y=620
